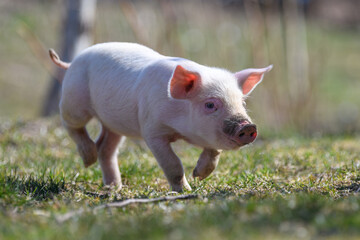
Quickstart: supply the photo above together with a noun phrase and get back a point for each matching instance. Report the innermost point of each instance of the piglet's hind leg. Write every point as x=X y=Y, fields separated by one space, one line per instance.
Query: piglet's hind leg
x=107 y=145
x=85 y=145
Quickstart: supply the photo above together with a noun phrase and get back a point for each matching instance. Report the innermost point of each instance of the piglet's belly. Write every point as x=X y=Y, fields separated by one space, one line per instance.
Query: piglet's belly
x=123 y=129
x=123 y=125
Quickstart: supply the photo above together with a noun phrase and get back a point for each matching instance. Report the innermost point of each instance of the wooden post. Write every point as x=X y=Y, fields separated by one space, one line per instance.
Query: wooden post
x=77 y=34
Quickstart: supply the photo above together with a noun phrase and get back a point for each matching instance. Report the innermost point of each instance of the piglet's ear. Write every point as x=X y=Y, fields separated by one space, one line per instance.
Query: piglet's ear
x=249 y=78
x=183 y=83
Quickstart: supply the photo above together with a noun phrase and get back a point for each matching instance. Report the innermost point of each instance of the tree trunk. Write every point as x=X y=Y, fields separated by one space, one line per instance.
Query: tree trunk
x=77 y=34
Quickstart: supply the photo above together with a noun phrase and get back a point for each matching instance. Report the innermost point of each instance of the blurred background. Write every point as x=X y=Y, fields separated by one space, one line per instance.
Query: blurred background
x=314 y=45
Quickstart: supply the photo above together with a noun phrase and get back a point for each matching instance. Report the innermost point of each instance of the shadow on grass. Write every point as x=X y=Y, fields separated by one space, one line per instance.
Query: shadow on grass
x=354 y=187
x=101 y=196
x=38 y=188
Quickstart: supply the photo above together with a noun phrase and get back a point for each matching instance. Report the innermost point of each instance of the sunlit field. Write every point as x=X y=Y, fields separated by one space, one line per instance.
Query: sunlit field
x=299 y=180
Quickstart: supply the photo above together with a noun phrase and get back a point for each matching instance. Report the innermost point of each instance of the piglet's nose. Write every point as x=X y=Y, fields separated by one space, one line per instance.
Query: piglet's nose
x=247 y=133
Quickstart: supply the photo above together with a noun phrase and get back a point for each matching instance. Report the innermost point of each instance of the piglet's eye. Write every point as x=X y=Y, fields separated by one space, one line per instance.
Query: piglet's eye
x=210 y=105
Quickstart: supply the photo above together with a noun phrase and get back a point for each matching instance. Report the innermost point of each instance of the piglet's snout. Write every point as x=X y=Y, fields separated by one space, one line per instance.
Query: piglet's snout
x=245 y=134
x=240 y=130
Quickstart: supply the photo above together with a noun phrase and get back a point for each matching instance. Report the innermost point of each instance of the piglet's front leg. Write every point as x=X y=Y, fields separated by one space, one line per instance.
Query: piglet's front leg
x=207 y=163
x=169 y=162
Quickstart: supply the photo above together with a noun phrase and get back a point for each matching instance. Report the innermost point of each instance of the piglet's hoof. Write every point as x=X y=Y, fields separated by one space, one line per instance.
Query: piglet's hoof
x=201 y=175
x=180 y=185
x=195 y=173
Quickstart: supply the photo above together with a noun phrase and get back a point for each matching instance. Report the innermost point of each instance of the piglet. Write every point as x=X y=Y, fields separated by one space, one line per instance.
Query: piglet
x=136 y=92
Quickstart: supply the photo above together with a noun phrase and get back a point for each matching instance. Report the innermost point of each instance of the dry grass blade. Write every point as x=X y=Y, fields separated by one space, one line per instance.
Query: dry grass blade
x=36 y=46
x=67 y=216
x=131 y=16
x=146 y=200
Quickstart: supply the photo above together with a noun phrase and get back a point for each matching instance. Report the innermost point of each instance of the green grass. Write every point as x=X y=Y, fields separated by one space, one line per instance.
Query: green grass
x=295 y=188
x=282 y=188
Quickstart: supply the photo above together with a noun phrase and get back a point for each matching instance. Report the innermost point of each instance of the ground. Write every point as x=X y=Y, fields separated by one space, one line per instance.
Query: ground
x=284 y=186
x=293 y=188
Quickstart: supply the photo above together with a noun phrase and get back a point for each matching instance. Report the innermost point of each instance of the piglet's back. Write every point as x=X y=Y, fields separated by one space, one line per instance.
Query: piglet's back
x=113 y=70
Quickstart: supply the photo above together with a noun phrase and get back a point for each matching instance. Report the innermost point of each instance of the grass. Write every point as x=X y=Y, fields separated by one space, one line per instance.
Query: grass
x=296 y=188
x=278 y=188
